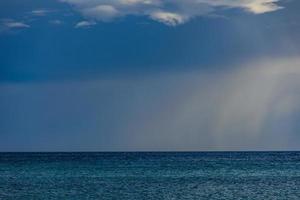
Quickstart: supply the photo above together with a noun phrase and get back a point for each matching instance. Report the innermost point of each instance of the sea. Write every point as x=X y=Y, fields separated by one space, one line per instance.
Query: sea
x=150 y=175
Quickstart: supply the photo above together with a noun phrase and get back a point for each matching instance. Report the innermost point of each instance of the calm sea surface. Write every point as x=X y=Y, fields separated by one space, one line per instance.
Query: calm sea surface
x=194 y=175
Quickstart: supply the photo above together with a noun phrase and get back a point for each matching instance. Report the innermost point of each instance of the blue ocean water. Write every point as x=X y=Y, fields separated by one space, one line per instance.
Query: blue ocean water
x=189 y=175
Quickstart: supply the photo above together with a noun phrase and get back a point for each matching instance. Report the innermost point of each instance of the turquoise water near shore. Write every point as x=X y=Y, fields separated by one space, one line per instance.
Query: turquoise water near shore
x=146 y=175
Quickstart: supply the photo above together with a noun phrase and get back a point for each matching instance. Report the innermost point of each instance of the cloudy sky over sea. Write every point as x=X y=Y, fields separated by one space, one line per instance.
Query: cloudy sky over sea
x=131 y=75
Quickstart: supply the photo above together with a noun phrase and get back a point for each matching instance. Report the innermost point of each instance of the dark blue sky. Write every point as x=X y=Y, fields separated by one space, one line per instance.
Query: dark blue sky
x=149 y=75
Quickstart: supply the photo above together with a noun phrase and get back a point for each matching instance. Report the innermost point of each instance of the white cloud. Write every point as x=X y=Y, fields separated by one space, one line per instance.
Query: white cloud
x=8 y=24
x=40 y=12
x=169 y=12
x=258 y=8
x=101 y=12
x=171 y=19
x=83 y=24
x=16 y=25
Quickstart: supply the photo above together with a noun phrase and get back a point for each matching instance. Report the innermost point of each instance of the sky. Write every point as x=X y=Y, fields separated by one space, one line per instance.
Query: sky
x=149 y=75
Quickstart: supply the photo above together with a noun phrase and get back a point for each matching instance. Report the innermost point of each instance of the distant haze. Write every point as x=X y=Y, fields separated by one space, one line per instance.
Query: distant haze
x=250 y=107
